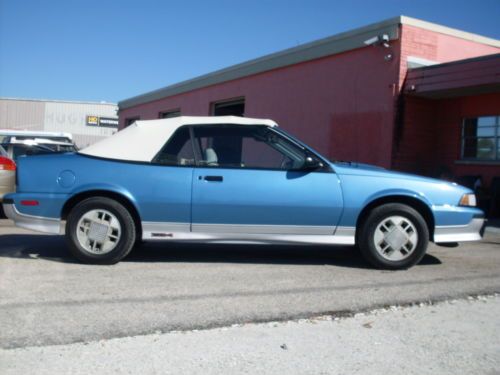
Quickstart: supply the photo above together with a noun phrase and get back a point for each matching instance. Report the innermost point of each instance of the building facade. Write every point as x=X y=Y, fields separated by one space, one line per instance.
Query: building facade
x=402 y=93
x=450 y=120
x=87 y=121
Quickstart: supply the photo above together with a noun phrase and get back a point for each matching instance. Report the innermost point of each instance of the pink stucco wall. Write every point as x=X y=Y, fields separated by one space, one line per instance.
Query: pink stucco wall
x=341 y=105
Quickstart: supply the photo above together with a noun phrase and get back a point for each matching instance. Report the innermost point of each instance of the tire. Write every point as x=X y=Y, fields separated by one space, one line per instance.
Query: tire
x=100 y=231
x=394 y=236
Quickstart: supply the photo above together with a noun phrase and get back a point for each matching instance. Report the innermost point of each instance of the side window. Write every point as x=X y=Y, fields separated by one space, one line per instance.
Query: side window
x=178 y=150
x=481 y=138
x=243 y=146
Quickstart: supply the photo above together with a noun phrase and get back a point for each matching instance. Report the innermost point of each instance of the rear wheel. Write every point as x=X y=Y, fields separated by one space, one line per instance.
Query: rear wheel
x=100 y=231
x=393 y=236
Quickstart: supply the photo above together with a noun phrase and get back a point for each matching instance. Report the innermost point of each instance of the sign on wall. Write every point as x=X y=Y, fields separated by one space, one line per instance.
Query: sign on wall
x=104 y=122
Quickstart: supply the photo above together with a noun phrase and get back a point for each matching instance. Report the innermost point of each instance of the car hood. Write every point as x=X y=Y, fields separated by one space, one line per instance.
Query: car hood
x=361 y=169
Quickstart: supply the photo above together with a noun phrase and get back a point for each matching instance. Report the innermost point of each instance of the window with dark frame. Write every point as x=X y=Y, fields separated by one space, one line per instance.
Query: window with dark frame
x=170 y=114
x=131 y=120
x=229 y=108
x=481 y=138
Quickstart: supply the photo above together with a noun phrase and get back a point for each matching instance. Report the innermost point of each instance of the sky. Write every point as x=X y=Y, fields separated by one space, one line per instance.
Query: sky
x=111 y=50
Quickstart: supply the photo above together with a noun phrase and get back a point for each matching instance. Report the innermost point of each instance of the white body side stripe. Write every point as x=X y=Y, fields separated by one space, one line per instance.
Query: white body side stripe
x=225 y=233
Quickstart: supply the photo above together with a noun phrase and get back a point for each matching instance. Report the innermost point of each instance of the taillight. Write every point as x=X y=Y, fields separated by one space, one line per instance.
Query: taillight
x=30 y=203
x=6 y=164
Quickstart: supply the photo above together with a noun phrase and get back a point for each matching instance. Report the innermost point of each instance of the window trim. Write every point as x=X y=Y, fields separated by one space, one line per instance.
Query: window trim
x=496 y=138
x=130 y=120
x=226 y=103
x=174 y=110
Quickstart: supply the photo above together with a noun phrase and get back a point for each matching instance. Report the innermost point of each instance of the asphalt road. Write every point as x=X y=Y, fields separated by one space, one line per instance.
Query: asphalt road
x=47 y=298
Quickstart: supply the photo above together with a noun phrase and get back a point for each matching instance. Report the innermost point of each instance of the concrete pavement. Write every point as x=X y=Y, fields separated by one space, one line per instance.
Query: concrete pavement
x=454 y=337
x=46 y=298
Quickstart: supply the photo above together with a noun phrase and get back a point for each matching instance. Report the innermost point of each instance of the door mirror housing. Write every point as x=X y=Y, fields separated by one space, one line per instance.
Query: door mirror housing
x=311 y=164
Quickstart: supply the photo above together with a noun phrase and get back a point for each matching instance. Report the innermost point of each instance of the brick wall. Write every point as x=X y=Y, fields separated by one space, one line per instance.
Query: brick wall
x=417 y=132
x=437 y=47
x=415 y=142
x=448 y=123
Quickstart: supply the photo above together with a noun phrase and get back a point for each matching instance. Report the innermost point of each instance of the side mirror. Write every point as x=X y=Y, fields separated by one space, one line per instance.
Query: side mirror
x=311 y=164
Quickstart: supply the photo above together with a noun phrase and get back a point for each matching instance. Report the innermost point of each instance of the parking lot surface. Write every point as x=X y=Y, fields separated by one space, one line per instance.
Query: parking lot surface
x=424 y=339
x=48 y=298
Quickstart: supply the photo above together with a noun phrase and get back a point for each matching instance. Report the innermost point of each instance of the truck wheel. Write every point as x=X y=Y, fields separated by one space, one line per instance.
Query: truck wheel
x=100 y=231
x=394 y=236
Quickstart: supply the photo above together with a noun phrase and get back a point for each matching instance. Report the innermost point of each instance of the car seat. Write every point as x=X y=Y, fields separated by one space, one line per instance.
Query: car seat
x=210 y=157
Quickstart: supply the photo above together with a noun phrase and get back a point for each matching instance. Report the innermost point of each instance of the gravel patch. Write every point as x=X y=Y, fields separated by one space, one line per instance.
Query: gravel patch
x=449 y=337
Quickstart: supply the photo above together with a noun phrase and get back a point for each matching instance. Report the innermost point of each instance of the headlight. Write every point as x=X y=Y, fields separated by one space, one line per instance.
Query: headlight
x=468 y=200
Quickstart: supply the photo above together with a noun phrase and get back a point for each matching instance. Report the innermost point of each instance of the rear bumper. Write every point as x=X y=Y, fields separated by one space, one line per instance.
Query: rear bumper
x=36 y=223
x=473 y=231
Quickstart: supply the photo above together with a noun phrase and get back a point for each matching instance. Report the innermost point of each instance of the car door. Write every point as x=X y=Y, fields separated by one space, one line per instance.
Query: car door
x=163 y=189
x=249 y=180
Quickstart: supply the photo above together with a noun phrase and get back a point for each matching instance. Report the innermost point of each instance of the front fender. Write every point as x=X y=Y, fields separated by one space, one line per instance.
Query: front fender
x=361 y=191
x=397 y=192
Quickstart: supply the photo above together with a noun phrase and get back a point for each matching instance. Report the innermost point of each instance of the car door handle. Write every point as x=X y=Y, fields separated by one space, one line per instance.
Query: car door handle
x=212 y=178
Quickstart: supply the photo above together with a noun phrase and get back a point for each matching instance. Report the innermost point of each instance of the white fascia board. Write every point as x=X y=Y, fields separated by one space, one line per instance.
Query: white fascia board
x=418 y=62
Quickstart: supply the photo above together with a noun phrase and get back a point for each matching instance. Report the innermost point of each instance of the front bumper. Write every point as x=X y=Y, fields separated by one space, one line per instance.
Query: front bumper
x=473 y=231
x=36 y=223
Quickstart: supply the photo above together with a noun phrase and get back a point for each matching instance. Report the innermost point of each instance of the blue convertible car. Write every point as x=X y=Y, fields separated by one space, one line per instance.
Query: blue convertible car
x=232 y=180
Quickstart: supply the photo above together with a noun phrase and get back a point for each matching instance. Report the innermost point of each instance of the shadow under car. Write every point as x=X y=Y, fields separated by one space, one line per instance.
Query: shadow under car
x=53 y=248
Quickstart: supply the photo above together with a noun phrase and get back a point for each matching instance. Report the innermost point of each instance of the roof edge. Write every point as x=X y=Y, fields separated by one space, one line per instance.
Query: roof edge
x=56 y=101
x=332 y=45
x=469 y=60
x=338 y=43
x=405 y=20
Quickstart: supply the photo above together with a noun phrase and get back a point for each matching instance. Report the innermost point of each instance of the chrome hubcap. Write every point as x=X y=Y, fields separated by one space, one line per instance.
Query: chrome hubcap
x=395 y=238
x=98 y=231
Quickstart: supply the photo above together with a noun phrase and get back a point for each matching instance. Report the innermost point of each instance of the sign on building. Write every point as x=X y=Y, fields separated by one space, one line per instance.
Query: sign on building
x=106 y=122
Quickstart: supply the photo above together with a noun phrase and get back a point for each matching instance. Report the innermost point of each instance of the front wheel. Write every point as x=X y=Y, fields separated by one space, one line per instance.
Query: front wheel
x=393 y=236
x=100 y=231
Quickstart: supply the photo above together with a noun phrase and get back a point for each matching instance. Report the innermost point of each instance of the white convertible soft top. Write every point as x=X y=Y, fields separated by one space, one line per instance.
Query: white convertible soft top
x=142 y=140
